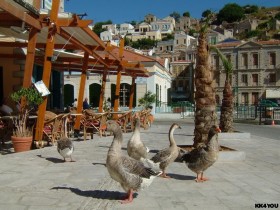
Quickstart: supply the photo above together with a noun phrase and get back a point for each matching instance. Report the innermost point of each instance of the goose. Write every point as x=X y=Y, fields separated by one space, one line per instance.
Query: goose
x=65 y=148
x=130 y=173
x=168 y=155
x=135 y=147
x=201 y=158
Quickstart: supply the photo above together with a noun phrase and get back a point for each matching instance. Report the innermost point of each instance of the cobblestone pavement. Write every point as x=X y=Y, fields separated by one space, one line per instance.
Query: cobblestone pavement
x=40 y=180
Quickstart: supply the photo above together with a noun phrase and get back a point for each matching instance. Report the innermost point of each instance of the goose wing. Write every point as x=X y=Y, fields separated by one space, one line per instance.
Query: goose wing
x=195 y=155
x=162 y=155
x=135 y=167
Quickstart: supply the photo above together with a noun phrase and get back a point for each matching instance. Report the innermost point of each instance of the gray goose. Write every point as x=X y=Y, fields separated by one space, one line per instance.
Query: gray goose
x=130 y=173
x=135 y=147
x=168 y=155
x=65 y=148
x=201 y=158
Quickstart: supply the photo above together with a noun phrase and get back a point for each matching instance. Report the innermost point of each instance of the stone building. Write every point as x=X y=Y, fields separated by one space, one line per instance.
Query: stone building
x=256 y=68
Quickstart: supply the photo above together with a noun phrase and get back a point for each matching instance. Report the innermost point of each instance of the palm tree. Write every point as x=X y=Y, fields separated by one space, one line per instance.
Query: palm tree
x=205 y=113
x=226 y=118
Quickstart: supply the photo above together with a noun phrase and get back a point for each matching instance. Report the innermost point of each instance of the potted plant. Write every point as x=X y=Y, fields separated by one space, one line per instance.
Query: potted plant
x=28 y=98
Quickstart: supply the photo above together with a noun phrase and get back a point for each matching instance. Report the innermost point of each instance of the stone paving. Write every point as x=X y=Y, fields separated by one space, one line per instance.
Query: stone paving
x=40 y=180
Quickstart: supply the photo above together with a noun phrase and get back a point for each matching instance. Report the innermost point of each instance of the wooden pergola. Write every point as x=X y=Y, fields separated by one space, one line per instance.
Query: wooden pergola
x=45 y=33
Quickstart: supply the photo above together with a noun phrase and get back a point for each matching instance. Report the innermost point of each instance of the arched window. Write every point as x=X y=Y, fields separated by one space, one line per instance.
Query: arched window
x=94 y=94
x=68 y=95
x=124 y=94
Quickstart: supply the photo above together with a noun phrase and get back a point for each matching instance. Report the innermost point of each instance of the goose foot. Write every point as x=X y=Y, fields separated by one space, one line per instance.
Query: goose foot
x=201 y=178
x=129 y=197
x=163 y=175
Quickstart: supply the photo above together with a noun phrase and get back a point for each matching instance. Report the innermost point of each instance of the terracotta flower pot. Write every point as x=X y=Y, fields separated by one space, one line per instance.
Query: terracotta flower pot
x=22 y=144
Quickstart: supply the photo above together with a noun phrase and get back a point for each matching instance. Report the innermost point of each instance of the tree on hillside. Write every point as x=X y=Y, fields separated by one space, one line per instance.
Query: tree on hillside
x=205 y=111
x=206 y=13
x=98 y=27
x=168 y=37
x=230 y=13
x=277 y=16
x=143 y=44
x=249 y=9
x=175 y=15
x=226 y=117
x=186 y=14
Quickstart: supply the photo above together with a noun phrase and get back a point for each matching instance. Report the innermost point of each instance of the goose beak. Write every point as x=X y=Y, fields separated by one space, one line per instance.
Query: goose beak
x=218 y=130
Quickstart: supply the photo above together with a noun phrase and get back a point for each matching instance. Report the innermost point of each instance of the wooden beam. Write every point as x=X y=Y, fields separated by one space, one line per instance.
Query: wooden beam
x=76 y=42
x=43 y=45
x=103 y=86
x=47 y=68
x=20 y=14
x=131 y=94
x=29 y=63
x=73 y=22
x=117 y=93
x=81 y=91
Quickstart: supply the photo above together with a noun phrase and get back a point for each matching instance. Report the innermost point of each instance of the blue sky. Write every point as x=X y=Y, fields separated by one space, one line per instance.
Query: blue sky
x=129 y=10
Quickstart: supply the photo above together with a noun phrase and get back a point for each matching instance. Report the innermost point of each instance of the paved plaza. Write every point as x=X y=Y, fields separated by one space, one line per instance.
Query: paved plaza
x=39 y=179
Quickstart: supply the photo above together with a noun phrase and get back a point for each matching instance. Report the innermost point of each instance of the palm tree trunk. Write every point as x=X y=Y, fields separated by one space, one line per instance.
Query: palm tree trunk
x=226 y=118
x=205 y=114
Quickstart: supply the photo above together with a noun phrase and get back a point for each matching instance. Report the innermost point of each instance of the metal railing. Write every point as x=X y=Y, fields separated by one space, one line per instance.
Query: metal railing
x=241 y=112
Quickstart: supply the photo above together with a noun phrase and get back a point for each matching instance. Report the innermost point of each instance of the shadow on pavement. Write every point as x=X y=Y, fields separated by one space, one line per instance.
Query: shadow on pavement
x=99 y=194
x=181 y=177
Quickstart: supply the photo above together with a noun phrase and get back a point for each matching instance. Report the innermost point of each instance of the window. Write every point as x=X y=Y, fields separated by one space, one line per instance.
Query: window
x=184 y=41
x=244 y=78
x=272 y=77
x=216 y=62
x=244 y=60
x=255 y=59
x=255 y=78
x=272 y=59
x=255 y=98
x=245 y=98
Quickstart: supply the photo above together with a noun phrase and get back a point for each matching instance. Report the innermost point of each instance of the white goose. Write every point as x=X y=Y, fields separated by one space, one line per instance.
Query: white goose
x=135 y=147
x=130 y=173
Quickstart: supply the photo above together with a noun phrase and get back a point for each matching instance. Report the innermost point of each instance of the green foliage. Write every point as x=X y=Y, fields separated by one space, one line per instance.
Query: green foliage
x=206 y=13
x=254 y=33
x=230 y=13
x=143 y=44
x=133 y=22
x=277 y=16
x=249 y=9
x=98 y=27
x=168 y=37
x=32 y=98
x=226 y=63
x=186 y=14
x=192 y=32
x=147 y=100
x=31 y=95
x=175 y=15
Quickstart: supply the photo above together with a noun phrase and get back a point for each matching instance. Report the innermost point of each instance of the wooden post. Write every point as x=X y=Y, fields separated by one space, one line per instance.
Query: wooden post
x=81 y=91
x=29 y=63
x=131 y=95
x=101 y=98
x=47 y=67
x=117 y=93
